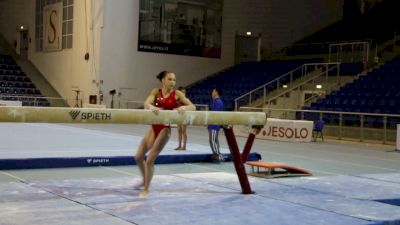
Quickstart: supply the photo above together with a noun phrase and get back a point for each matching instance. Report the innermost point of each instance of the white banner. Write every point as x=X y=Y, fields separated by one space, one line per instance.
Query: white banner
x=282 y=130
x=52 y=27
x=10 y=103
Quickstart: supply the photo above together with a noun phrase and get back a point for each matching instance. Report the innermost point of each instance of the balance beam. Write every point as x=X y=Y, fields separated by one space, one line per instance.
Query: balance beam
x=141 y=116
x=127 y=116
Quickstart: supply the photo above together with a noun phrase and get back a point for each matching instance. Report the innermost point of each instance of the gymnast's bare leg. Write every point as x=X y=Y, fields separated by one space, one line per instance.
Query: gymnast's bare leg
x=145 y=145
x=182 y=137
x=147 y=166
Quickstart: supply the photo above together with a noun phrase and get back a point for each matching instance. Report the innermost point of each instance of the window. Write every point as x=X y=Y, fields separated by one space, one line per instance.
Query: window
x=67 y=27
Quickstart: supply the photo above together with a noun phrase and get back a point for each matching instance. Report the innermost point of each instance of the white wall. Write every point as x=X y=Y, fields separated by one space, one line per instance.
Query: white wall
x=112 y=35
x=123 y=66
x=67 y=70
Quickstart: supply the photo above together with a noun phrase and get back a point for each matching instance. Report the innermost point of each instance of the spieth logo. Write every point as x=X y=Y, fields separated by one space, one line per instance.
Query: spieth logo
x=89 y=115
x=74 y=114
x=97 y=161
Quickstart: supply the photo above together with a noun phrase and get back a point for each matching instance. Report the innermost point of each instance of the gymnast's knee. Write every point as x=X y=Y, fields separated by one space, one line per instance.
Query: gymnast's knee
x=150 y=162
x=139 y=158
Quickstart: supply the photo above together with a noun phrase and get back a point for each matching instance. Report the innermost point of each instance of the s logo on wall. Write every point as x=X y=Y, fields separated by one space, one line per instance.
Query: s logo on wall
x=52 y=24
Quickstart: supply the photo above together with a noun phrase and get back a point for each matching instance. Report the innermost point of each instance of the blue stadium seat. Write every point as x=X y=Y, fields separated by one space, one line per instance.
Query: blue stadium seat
x=376 y=92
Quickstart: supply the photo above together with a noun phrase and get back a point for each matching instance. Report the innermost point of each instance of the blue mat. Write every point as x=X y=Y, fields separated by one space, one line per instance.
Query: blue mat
x=62 y=162
x=56 y=146
x=388 y=177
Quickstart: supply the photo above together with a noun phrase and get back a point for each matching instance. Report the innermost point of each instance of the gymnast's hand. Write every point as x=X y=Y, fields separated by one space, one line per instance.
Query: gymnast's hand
x=154 y=109
x=181 y=109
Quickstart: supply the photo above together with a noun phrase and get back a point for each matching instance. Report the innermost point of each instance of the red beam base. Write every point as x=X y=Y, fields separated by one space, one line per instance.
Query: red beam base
x=249 y=143
x=237 y=160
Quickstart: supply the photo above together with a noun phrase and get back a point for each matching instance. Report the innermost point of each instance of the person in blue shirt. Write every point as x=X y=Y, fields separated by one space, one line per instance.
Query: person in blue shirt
x=213 y=130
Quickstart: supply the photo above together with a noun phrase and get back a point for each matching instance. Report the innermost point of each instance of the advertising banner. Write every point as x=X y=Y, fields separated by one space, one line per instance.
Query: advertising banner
x=181 y=27
x=282 y=130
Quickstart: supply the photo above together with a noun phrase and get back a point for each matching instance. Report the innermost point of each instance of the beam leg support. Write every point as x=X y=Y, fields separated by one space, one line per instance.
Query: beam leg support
x=237 y=160
x=249 y=144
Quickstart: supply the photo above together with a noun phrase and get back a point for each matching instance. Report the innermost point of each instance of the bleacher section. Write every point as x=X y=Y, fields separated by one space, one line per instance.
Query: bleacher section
x=16 y=86
x=349 y=69
x=241 y=79
x=376 y=92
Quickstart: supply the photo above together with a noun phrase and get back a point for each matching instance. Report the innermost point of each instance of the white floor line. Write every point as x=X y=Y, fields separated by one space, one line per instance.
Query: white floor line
x=207 y=167
x=118 y=171
x=13 y=176
x=233 y=171
x=325 y=172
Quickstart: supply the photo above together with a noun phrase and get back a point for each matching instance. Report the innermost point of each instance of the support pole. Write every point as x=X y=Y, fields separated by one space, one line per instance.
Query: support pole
x=247 y=146
x=237 y=160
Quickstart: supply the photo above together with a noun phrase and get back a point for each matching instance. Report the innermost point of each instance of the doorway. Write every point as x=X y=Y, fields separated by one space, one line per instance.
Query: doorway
x=247 y=49
x=22 y=44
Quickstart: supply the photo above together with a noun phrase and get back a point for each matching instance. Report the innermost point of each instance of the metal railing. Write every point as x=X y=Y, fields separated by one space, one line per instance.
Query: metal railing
x=356 y=51
x=28 y=100
x=321 y=75
x=286 y=79
x=315 y=48
x=344 y=125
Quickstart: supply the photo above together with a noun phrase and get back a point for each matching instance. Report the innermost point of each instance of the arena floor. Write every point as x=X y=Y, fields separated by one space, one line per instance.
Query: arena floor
x=352 y=183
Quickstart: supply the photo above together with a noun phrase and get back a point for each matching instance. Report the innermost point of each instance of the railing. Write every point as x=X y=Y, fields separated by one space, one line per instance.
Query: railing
x=278 y=83
x=29 y=100
x=320 y=76
x=316 y=47
x=356 y=51
x=351 y=125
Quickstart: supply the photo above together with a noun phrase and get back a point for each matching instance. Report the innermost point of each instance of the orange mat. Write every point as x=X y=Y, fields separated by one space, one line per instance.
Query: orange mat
x=271 y=170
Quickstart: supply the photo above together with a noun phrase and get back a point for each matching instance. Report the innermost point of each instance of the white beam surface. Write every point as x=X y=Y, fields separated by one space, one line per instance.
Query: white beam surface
x=127 y=116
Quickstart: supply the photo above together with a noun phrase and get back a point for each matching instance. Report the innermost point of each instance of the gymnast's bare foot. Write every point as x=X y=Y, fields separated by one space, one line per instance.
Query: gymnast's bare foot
x=138 y=186
x=144 y=194
x=180 y=149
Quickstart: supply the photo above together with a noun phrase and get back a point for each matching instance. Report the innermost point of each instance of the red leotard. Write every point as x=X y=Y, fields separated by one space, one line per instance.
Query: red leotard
x=168 y=103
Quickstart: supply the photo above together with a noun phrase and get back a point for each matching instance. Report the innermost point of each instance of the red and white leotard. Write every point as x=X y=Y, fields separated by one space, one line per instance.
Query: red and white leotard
x=168 y=103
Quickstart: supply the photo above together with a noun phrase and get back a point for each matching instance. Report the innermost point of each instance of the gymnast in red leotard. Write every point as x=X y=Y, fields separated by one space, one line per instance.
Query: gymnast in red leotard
x=164 y=98
x=168 y=103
